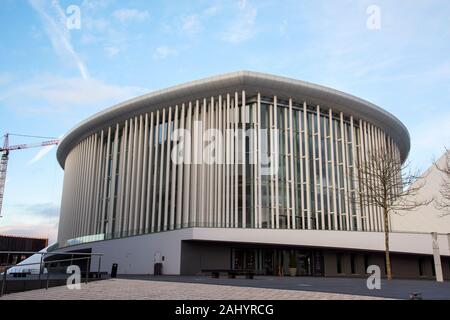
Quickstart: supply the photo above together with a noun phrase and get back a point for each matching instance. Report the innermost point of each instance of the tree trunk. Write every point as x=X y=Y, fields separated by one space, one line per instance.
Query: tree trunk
x=386 y=242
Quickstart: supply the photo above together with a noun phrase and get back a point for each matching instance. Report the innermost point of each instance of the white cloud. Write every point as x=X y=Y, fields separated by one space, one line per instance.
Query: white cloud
x=211 y=11
x=40 y=229
x=94 y=5
x=112 y=51
x=164 y=52
x=191 y=24
x=52 y=94
x=125 y=15
x=54 y=21
x=42 y=153
x=242 y=27
x=38 y=219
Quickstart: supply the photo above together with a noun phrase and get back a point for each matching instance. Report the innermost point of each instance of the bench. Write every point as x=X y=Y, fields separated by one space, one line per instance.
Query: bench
x=232 y=273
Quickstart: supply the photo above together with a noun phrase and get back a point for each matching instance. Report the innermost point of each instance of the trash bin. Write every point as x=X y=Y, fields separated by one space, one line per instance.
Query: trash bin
x=114 y=270
x=157 y=271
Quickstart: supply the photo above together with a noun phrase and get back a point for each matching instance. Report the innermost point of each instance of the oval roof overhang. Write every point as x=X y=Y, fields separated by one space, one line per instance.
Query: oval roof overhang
x=251 y=82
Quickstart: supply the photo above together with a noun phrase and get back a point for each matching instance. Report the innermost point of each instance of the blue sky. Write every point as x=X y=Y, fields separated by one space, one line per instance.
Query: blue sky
x=51 y=77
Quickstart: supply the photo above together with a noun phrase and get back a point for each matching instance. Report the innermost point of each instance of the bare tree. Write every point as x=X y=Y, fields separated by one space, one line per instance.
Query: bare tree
x=443 y=203
x=387 y=183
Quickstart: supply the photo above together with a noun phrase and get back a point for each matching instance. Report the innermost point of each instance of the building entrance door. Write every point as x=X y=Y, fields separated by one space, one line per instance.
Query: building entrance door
x=304 y=264
x=244 y=259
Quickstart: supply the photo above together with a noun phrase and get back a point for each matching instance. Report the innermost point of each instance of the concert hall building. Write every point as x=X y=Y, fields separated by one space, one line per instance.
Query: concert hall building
x=267 y=182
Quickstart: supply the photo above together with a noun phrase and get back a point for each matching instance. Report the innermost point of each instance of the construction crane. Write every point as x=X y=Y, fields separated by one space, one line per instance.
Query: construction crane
x=5 y=156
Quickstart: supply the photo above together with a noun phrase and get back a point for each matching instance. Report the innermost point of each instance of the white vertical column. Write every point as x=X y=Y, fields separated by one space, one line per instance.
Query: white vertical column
x=339 y=163
x=86 y=194
x=236 y=161
x=314 y=179
x=319 y=141
x=211 y=176
x=76 y=188
x=150 y=170
x=94 y=186
x=100 y=183
x=134 y=162
x=105 y=182
x=327 y=142
x=273 y=142
x=218 y=166
x=308 y=178
x=345 y=170
x=301 y=134
x=362 y=161
x=173 y=194
x=372 y=209
x=80 y=212
x=155 y=175
x=228 y=153
x=216 y=169
x=333 y=169
x=244 y=121
x=365 y=152
x=144 y=174
x=179 y=213
x=112 y=188
x=223 y=163
x=284 y=132
x=253 y=164
x=187 y=168
x=277 y=154
x=168 y=165
x=84 y=191
x=376 y=143
x=195 y=160
x=203 y=168
x=354 y=176
x=91 y=186
x=161 y=171
x=138 y=179
x=122 y=175
x=291 y=162
x=258 y=162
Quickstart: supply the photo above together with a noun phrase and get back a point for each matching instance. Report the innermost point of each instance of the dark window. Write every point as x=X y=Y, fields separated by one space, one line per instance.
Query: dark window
x=353 y=263
x=433 y=270
x=421 y=266
x=339 y=263
x=366 y=262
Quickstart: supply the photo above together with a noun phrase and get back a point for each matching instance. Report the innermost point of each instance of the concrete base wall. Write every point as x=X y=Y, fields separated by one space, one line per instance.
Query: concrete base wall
x=196 y=257
x=188 y=251
x=137 y=255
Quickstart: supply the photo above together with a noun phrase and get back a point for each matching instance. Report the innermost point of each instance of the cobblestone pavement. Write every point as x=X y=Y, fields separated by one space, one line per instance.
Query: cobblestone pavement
x=120 y=289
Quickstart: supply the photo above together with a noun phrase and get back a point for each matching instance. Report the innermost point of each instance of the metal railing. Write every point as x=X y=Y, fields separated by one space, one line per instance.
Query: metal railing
x=74 y=256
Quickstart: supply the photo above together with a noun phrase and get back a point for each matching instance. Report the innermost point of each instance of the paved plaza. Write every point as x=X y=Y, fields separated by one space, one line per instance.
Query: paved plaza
x=260 y=288
x=120 y=289
x=394 y=289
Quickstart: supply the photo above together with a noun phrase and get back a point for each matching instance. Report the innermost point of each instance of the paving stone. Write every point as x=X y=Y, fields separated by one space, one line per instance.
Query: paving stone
x=120 y=289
